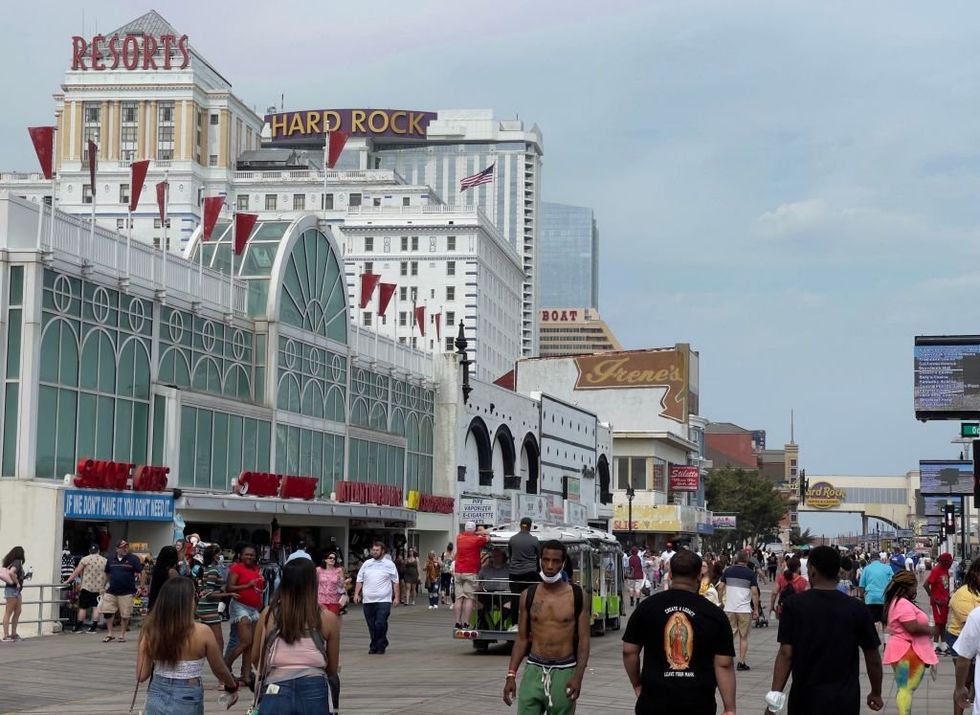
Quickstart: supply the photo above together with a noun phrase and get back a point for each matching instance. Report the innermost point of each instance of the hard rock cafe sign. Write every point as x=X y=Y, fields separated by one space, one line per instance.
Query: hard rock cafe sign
x=639 y=369
x=823 y=495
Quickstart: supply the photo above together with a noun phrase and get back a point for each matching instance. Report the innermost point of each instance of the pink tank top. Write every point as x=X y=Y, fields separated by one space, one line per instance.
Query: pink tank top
x=301 y=654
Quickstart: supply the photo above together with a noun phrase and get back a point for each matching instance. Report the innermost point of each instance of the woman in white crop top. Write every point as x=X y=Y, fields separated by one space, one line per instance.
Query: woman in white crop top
x=172 y=650
x=296 y=647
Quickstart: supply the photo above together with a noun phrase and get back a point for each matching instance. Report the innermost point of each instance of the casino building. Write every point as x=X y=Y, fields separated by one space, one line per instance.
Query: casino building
x=150 y=392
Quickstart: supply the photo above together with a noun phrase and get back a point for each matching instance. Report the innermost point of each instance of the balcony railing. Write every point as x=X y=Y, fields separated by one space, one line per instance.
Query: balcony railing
x=370 y=345
x=369 y=176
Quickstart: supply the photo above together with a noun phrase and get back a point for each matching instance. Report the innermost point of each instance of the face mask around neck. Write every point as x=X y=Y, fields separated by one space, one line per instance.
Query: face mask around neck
x=550 y=579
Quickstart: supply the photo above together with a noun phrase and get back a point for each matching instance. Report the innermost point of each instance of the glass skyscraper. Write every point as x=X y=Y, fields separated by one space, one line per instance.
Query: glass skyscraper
x=568 y=257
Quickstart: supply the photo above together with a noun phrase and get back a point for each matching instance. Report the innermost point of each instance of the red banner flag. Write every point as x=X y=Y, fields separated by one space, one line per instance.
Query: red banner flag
x=336 y=145
x=385 y=292
x=420 y=319
x=244 y=223
x=162 y=202
x=368 y=283
x=92 y=160
x=212 y=208
x=438 y=319
x=43 y=139
x=136 y=179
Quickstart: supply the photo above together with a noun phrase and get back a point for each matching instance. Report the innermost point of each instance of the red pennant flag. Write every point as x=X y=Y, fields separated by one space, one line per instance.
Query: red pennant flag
x=136 y=179
x=212 y=208
x=162 y=201
x=337 y=141
x=244 y=223
x=438 y=319
x=385 y=293
x=43 y=139
x=92 y=160
x=368 y=283
x=420 y=319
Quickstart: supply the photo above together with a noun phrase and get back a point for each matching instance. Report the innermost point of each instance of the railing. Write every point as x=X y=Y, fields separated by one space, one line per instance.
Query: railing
x=367 y=344
x=23 y=176
x=42 y=605
x=369 y=176
x=74 y=241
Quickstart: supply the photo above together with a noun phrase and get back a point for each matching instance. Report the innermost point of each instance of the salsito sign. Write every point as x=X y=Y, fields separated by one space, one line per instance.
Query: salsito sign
x=635 y=369
x=312 y=124
x=129 y=52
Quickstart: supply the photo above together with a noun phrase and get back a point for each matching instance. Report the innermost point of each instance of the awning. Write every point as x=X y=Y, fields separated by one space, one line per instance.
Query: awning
x=233 y=503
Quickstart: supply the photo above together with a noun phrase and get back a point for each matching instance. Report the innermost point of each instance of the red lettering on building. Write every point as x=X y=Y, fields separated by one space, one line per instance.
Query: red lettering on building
x=105 y=474
x=366 y=493
x=437 y=505
x=284 y=486
x=133 y=52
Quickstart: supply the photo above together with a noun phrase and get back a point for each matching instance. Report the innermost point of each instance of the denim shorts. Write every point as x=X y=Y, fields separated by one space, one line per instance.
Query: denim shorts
x=11 y=592
x=169 y=696
x=950 y=640
x=300 y=696
x=239 y=611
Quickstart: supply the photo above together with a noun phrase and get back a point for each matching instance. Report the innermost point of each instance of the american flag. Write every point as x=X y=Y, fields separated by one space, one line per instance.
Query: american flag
x=484 y=177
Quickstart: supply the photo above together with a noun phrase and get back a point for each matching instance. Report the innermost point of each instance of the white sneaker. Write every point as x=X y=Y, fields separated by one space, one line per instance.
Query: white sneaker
x=436 y=607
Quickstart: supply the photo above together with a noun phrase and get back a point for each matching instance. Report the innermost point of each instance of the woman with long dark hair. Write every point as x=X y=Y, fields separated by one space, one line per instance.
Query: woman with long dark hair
x=12 y=592
x=296 y=646
x=164 y=568
x=172 y=650
x=909 y=647
x=330 y=583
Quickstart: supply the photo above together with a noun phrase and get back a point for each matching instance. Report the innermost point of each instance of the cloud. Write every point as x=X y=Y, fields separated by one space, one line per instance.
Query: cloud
x=794 y=218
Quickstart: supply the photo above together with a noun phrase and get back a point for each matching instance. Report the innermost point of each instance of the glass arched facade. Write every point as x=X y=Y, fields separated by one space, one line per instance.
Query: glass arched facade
x=279 y=392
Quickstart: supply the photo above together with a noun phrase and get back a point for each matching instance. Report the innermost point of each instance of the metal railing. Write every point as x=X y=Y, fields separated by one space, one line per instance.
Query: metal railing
x=43 y=607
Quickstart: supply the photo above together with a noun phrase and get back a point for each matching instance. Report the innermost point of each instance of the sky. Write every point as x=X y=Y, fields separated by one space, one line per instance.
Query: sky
x=789 y=187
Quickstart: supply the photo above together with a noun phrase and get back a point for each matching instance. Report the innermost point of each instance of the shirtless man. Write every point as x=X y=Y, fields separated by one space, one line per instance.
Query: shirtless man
x=555 y=640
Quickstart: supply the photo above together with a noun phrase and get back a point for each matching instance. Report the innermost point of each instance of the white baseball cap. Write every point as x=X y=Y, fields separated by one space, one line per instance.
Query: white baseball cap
x=470 y=526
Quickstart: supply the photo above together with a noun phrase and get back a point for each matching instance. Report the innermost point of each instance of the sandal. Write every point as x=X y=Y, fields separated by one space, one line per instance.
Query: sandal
x=108 y=639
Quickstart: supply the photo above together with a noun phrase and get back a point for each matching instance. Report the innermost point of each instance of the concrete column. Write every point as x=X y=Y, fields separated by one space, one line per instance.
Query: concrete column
x=30 y=368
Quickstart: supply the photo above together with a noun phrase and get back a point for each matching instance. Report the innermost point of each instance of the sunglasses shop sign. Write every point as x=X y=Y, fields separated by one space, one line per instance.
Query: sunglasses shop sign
x=101 y=505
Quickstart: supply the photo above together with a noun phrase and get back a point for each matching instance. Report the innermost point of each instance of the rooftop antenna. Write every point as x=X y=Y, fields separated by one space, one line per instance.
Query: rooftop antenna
x=282 y=102
x=792 y=433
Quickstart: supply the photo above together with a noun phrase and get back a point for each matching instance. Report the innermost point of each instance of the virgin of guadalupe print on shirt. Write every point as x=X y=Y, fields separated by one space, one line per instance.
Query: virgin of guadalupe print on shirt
x=678 y=641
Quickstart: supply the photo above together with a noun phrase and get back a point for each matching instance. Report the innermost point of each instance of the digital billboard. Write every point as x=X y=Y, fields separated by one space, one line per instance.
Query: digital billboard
x=947 y=377
x=948 y=478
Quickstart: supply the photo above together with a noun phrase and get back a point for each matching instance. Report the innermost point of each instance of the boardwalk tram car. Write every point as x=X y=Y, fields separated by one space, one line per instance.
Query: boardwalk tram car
x=595 y=563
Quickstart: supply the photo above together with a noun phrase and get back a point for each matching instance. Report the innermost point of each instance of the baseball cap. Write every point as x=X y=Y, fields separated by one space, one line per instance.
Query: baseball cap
x=122 y=543
x=470 y=526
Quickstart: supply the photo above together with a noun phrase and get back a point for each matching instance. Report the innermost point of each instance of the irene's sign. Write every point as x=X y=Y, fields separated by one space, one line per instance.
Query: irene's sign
x=312 y=124
x=639 y=369
x=131 y=52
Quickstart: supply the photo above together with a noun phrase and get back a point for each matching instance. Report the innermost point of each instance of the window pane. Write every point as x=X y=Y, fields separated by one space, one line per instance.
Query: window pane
x=264 y=440
x=305 y=453
x=105 y=413
x=187 y=446
x=68 y=372
x=202 y=463
x=65 y=445
x=13 y=343
x=220 y=479
x=47 y=411
x=234 y=446
x=124 y=431
x=159 y=428
x=10 y=430
x=281 y=438
x=250 y=435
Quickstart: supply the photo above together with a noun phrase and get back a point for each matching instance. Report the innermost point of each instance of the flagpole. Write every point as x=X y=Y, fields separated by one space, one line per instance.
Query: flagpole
x=377 y=324
x=54 y=199
x=40 y=220
x=231 y=278
x=129 y=236
x=326 y=149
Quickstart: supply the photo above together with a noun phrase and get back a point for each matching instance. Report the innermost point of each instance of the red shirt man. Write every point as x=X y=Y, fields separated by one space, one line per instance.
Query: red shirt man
x=467 y=566
x=937 y=586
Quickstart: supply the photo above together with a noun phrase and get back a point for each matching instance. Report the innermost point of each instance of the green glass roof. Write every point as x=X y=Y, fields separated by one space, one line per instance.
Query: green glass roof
x=257 y=258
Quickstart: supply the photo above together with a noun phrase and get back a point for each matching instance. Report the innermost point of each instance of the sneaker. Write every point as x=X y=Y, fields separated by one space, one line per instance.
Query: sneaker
x=8 y=639
x=742 y=666
x=76 y=628
x=92 y=629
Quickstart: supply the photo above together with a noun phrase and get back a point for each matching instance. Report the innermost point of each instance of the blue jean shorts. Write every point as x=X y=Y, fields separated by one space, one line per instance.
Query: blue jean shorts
x=167 y=696
x=239 y=611
x=950 y=640
x=11 y=592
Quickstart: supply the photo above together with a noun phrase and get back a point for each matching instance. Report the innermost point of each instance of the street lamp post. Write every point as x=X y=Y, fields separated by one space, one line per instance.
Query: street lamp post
x=464 y=362
x=630 y=493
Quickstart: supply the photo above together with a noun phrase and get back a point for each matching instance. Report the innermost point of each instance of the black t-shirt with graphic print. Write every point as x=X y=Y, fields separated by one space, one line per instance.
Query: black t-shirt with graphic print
x=680 y=633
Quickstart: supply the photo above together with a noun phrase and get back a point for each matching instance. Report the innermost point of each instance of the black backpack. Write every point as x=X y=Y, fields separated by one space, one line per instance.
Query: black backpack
x=784 y=595
x=577 y=595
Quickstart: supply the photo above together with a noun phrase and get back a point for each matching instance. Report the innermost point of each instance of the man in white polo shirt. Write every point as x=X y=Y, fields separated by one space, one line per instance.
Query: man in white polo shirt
x=377 y=582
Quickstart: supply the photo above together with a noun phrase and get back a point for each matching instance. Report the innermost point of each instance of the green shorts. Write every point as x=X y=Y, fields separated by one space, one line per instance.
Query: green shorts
x=536 y=685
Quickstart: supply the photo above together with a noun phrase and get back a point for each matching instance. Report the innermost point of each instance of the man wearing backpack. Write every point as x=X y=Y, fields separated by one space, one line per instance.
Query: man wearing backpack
x=554 y=634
